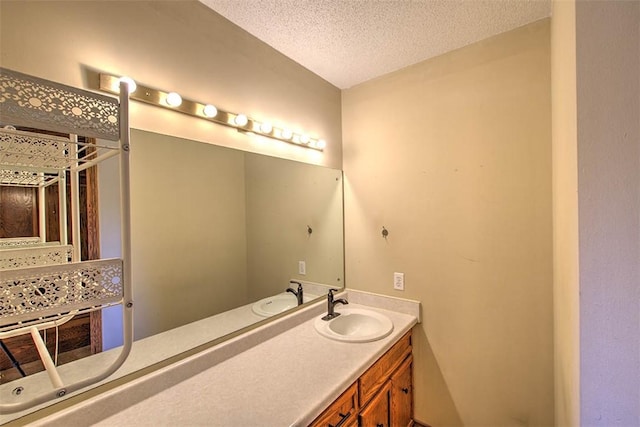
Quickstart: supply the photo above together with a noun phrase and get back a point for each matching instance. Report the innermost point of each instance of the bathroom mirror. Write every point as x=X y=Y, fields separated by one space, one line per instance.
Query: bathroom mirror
x=215 y=231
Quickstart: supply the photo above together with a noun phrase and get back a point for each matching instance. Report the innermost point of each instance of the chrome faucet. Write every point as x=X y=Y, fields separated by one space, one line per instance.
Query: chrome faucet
x=297 y=293
x=331 y=303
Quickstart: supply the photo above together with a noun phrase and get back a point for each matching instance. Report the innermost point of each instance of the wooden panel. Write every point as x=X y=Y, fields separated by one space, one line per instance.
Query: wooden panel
x=402 y=394
x=376 y=414
x=93 y=243
x=92 y=214
x=342 y=412
x=18 y=212
x=95 y=331
x=379 y=373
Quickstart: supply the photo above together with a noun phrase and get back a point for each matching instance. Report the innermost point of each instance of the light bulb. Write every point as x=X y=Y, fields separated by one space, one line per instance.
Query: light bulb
x=209 y=110
x=321 y=144
x=174 y=99
x=304 y=139
x=266 y=127
x=131 y=84
x=287 y=133
x=241 y=120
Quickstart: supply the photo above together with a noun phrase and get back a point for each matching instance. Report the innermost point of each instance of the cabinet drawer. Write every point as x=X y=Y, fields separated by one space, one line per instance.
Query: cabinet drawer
x=375 y=377
x=343 y=411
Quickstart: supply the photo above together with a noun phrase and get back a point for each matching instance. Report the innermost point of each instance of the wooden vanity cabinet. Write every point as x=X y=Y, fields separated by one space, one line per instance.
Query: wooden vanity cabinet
x=381 y=397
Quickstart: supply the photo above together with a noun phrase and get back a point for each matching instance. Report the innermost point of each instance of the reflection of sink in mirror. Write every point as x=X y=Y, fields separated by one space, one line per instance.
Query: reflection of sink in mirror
x=278 y=303
x=355 y=325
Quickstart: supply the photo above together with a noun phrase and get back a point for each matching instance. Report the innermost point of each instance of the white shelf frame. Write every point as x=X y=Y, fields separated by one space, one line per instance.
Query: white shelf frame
x=33 y=298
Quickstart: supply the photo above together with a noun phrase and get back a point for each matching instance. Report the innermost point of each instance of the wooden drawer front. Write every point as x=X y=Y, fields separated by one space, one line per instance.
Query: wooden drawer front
x=402 y=395
x=375 y=377
x=343 y=411
x=376 y=414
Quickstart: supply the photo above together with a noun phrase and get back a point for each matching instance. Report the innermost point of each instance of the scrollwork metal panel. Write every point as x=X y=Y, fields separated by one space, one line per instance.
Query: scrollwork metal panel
x=31 y=257
x=19 y=242
x=34 y=150
x=37 y=103
x=42 y=292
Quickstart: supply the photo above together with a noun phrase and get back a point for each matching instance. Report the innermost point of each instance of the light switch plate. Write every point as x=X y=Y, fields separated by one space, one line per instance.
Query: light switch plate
x=302 y=267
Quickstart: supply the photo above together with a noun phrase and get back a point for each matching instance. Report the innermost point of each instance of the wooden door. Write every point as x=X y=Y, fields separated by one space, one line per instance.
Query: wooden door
x=18 y=212
x=376 y=414
x=402 y=395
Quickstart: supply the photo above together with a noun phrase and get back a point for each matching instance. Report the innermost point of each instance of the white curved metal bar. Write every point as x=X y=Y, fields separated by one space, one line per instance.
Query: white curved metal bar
x=75 y=197
x=62 y=208
x=42 y=215
x=49 y=366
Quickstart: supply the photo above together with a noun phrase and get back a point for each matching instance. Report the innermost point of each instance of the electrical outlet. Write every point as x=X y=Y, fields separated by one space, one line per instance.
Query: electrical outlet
x=302 y=267
x=398 y=281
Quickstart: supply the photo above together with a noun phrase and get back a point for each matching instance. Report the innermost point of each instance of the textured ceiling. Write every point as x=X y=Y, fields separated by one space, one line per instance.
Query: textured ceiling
x=347 y=42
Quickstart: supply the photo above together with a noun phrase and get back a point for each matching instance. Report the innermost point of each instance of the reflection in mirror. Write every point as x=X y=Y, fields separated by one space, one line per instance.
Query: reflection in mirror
x=49 y=286
x=215 y=229
x=218 y=236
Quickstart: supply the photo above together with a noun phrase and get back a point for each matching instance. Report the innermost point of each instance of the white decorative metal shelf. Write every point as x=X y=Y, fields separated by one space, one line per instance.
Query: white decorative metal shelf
x=31 y=159
x=44 y=284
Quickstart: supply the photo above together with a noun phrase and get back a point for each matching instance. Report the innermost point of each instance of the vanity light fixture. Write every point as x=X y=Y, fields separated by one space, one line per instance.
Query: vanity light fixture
x=241 y=120
x=209 y=111
x=266 y=128
x=172 y=100
x=287 y=133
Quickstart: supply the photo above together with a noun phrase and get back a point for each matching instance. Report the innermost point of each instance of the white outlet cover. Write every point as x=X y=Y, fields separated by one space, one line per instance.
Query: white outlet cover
x=398 y=281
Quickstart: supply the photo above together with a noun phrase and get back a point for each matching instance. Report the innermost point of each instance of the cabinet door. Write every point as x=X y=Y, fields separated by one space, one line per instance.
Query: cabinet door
x=402 y=395
x=376 y=414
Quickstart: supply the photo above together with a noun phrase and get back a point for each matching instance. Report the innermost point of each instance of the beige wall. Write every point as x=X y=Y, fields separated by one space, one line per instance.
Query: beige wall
x=281 y=202
x=453 y=157
x=565 y=215
x=189 y=254
x=608 y=152
x=181 y=46
x=596 y=169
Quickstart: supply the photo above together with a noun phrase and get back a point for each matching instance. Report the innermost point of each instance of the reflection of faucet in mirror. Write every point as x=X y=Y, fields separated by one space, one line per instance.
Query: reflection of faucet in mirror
x=331 y=304
x=298 y=293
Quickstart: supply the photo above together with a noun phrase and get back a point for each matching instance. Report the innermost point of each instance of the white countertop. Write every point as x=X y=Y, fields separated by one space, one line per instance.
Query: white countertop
x=287 y=379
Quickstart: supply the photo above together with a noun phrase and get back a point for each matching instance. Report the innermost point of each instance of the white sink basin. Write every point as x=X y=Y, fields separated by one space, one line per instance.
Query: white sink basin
x=355 y=325
x=278 y=303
